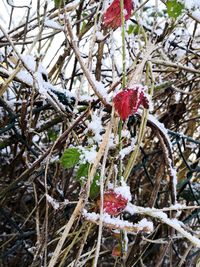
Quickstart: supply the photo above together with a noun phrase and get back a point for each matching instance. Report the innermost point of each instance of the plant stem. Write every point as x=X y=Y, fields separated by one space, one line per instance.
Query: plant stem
x=123 y=44
x=123 y=241
x=123 y=82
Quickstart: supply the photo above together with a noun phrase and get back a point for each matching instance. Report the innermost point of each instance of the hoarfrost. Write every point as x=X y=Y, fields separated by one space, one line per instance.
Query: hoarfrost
x=53 y=202
x=53 y=24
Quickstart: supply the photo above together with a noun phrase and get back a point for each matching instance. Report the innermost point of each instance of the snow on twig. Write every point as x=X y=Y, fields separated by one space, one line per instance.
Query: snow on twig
x=161 y=216
x=116 y=223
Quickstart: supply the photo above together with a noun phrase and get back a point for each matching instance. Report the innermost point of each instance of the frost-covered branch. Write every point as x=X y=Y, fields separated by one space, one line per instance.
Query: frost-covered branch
x=161 y=216
x=143 y=226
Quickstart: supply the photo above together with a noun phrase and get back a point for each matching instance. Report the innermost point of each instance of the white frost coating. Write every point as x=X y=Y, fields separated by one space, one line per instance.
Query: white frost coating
x=196 y=14
x=96 y=127
x=110 y=185
x=125 y=236
x=106 y=4
x=85 y=98
x=99 y=36
x=124 y=191
x=190 y=4
x=173 y=174
x=127 y=150
x=126 y=133
x=177 y=206
x=160 y=215
x=101 y=89
x=111 y=141
x=196 y=188
x=25 y=77
x=53 y=24
x=30 y=63
x=135 y=3
x=106 y=218
x=53 y=202
x=144 y=223
x=87 y=154
x=131 y=209
x=1 y=113
x=90 y=216
x=115 y=221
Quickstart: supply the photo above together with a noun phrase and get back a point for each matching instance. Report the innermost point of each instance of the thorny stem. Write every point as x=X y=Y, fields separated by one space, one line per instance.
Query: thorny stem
x=123 y=241
x=120 y=148
x=123 y=44
x=123 y=82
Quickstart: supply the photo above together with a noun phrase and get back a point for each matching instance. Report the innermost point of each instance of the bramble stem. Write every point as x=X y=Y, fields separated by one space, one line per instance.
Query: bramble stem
x=123 y=240
x=123 y=82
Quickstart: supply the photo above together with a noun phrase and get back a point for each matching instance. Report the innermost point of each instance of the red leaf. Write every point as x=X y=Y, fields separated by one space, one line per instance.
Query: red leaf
x=128 y=101
x=114 y=203
x=112 y=16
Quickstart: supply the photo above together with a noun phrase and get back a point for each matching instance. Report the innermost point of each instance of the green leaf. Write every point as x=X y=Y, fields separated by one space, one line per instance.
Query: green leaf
x=53 y=135
x=133 y=29
x=57 y=3
x=82 y=172
x=174 y=8
x=130 y=29
x=83 y=27
x=84 y=14
x=60 y=3
x=70 y=158
x=82 y=175
x=95 y=187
